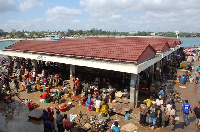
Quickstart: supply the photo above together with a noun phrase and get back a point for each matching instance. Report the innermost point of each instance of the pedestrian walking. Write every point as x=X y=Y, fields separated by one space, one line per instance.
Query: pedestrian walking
x=172 y=117
x=171 y=102
x=59 y=120
x=196 y=76
x=153 y=111
x=161 y=94
x=44 y=115
x=16 y=84
x=48 y=126
x=165 y=117
x=66 y=123
x=143 y=114
x=186 y=108
x=50 y=114
x=197 y=114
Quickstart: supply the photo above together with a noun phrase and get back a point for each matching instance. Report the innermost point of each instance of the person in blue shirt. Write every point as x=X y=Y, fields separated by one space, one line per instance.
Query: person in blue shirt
x=115 y=128
x=44 y=115
x=161 y=93
x=186 y=108
x=171 y=101
x=163 y=77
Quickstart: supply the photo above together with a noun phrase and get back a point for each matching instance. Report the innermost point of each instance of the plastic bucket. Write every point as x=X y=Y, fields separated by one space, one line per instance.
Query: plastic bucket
x=46 y=101
x=97 y=110
x=38 y=86
x=44 y=89
x=182 y=80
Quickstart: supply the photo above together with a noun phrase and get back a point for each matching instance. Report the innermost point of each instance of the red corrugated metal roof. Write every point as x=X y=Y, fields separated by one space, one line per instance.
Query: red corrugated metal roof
x=120 y=49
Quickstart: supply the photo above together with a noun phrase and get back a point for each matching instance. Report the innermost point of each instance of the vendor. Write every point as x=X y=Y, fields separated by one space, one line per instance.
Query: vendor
x=78 y=86
x=96 y=93
x=45 y=95
x=57 y=97
x=104 y=109
x=98 y=105
x=104 y=95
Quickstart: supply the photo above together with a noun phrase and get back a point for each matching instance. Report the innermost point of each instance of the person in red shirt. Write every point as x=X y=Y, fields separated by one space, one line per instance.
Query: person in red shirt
x=45 y=95
x=78 y=86
x=178 y=78
x=50 y=113
x=45 y=81
x=66 y=123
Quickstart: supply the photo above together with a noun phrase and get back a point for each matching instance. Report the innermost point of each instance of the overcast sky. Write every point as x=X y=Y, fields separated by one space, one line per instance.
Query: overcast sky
x=109 y=15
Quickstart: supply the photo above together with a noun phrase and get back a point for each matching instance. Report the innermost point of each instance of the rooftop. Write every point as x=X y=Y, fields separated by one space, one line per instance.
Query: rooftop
x=113 y=49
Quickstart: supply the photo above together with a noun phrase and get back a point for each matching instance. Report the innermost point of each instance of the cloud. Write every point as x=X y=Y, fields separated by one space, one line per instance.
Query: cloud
x=19 y=25
x=7 y=5
x=28 y=4
x=40 y=24
x=143 y=15
x=61 y=14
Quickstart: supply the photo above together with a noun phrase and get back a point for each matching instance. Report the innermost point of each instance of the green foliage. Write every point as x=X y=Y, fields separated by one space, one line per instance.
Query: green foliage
x=93 y=32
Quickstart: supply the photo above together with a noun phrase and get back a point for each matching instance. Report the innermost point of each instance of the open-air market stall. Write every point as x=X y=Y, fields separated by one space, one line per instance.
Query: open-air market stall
x=122 y=56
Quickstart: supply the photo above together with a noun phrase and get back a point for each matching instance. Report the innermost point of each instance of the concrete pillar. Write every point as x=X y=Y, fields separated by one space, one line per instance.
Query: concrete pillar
x=133 y=83
x=35 y=65
x=11 y=65
x=136 y=93
x=158 y=71
x=170 y=57
x=72 y=73
x=10 y=60
x=72 y=70
x=151 y=72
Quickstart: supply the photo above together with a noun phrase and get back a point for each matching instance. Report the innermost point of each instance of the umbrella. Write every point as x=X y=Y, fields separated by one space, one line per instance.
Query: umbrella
x=190 y=53
x=188 y=50
x=198 y=48
x=193 y=48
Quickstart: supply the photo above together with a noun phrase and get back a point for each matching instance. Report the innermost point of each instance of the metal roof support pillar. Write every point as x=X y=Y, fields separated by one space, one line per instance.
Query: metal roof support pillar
x=72 y=73
x=133 y=82
x=35 y=65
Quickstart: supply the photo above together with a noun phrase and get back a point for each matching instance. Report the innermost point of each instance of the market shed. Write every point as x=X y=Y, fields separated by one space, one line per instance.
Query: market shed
x=129 y=55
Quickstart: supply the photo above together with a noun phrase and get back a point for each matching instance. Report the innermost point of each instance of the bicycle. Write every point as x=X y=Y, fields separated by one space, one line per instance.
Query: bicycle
x=83 y=118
